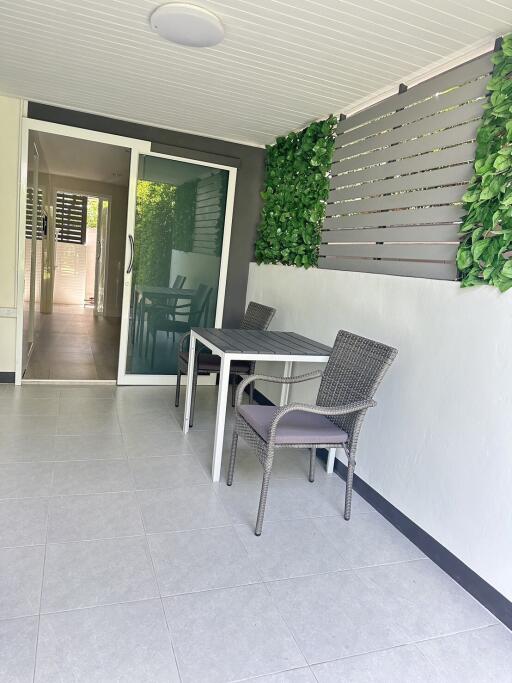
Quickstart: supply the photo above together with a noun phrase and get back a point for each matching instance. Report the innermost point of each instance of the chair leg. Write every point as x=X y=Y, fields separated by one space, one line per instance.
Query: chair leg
x=251 y=392
x=178 y=388
x=348 y=492
x=312 y=465
x=153 y=347
x=232 y=459
x=263 y=501
x=233 y=390
x=194 y=391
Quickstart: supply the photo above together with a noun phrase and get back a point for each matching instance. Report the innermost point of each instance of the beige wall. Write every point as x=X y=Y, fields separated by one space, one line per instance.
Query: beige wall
x=10 y=129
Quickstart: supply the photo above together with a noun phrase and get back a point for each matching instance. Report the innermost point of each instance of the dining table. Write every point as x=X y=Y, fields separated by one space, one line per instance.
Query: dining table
x=248 y=345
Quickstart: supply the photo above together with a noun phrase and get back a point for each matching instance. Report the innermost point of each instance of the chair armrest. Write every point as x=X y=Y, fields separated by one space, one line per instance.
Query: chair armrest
x=185 y=337
x=351 y=407
x=272 y=378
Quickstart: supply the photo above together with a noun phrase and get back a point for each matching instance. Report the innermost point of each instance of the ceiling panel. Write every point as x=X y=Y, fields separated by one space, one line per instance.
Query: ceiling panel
x=282 y=64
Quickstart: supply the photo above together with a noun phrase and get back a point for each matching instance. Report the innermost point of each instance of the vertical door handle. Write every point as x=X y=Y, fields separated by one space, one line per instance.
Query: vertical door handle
x=130 y=265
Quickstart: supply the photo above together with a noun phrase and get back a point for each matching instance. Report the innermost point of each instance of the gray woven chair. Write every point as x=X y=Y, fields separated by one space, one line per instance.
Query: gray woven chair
x=349 y=381
x=256 y=317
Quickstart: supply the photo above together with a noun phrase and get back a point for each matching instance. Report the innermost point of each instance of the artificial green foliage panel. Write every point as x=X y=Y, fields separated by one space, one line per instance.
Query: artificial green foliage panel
x=295 y=194
x=485 y=253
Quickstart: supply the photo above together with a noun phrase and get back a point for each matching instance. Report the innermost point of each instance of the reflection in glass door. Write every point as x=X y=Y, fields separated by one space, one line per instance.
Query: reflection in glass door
x=175 y=261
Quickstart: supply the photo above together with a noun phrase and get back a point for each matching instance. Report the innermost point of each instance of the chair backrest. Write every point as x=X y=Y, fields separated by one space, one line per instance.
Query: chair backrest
x=355 y=369
x=198 y=305
x=257 y=316
x=179 y=281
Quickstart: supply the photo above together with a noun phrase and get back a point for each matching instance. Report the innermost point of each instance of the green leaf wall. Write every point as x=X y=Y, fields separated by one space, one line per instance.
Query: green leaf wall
x=485 y=253
x=296 y=190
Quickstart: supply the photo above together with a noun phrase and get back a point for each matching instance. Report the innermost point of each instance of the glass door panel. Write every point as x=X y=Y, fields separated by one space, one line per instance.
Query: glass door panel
x=176 y=258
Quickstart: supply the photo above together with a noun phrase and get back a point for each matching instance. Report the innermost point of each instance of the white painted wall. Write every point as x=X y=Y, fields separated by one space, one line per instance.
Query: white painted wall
x=10 y=131
x=438 y=445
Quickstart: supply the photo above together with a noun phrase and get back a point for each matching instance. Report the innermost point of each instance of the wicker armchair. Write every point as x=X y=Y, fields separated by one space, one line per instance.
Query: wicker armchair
x=349 y=381
x=256 y=317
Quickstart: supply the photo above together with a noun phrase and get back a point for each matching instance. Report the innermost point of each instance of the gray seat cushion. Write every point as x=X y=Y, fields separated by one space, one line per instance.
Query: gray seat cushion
x=295 y=427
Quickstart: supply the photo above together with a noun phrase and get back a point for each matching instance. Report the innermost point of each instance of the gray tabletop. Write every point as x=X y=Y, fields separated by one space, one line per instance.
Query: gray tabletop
x=262 y=341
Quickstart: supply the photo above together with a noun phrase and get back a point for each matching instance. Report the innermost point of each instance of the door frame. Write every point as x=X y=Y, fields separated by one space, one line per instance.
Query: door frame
x=27 y=125
x=124 y=378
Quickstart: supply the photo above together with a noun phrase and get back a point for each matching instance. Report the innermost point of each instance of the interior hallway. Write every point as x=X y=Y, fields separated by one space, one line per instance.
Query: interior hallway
x=73 y=343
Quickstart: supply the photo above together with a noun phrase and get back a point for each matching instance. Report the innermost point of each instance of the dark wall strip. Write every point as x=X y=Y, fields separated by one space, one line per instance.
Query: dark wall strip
x=6 y=377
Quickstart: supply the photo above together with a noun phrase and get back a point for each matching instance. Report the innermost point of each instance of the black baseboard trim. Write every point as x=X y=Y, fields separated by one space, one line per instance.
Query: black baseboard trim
x=7 y=377
x=482 y=591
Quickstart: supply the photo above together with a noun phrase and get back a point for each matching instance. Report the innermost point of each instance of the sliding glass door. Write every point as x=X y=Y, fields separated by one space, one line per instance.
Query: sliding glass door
x=176 y=262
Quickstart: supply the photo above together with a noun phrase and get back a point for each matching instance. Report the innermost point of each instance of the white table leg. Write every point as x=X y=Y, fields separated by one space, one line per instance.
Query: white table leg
x=330 y=460
x=225 y=363
x=190 y=375
x=285 y=388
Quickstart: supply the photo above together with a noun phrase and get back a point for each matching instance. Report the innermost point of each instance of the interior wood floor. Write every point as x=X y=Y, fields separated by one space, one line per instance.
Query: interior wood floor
x=73 y=343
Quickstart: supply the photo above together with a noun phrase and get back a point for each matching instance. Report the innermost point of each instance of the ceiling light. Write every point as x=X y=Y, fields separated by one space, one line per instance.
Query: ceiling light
x=187 y=24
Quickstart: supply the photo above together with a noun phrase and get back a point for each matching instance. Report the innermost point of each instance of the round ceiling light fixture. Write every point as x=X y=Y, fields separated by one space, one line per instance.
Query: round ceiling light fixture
x=187 y=24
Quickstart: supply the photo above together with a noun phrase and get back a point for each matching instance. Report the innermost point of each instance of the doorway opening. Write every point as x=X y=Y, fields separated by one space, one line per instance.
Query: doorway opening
x=74 y=257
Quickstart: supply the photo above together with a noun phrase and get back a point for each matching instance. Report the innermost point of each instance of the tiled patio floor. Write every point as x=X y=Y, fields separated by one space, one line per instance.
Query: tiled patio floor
x=121 y=561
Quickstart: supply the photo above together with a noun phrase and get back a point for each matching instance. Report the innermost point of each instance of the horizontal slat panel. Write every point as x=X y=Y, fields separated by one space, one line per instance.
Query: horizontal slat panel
x=465 y=93
x=461 y=74
x=414 y=181
x=405 y=233
x=427 y=269
x=425 y=252
x=442 y=157
x=438 y=195
x=430 y=124
x=445 y=138
x=433 y=214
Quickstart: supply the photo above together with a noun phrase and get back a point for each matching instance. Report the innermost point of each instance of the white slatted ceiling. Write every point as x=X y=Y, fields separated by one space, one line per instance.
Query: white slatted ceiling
x=282 y=64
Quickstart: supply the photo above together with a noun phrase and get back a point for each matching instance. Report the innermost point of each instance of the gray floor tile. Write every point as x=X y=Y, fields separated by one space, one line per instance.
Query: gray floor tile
x=171 y=472
x=473 y=657
x=26 y=480
x=180 y=509
x=91 y=573
x=90 y=406
x=27 y=424
x=189 y=561
x=336 y=615
x=18 y=649
x=86 y=424
x=405 y=664
x=287 y=499
x=290 y=548
x=230 y=634
x=21 y=572
x=93 y=447
x=100 y=476
x=23 y=522
x=29 y=405
x=289 y=464
x=294 y=676
x=88 y=392
x=94 y=516
x=155 y=444
x=128 y=643
x=427 y=601
x=367 y=540
x=164 y=424
x=26 y=448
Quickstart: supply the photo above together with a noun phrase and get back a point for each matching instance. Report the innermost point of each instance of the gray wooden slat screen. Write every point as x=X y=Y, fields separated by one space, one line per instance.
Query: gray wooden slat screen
x=30 y=209
x=71 y=218
x=209 y=216
x=399 y=171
